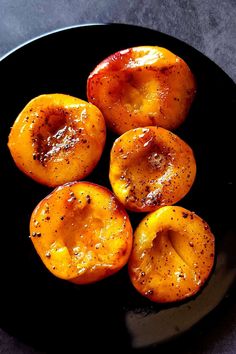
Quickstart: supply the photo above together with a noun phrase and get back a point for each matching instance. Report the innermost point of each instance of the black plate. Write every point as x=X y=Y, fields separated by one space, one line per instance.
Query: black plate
x=50 y=314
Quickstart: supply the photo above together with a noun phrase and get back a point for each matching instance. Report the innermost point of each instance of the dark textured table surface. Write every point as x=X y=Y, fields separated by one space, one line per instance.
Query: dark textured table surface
x=209 y=26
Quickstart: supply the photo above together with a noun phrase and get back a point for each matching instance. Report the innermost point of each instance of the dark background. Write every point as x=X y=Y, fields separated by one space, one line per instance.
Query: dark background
x=209 y=26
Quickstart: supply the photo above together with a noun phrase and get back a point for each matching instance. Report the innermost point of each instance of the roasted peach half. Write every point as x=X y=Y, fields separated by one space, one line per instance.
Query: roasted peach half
x=81 y=232
x=172 y=256
x=142 y=86
x=151 y=167
x=57 y=138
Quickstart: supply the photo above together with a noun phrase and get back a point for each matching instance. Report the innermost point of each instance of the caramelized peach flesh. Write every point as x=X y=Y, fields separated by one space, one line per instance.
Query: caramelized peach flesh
x=151 y=167
x=172 y=256
x=57 y=138
x=142 y=86
x=81 y=232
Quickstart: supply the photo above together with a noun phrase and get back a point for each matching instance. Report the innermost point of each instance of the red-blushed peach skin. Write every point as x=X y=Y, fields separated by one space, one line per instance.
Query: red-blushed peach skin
x=142 y=86
x=172 y=256
x=81 y=232
x=57 y=139
x=150 y=168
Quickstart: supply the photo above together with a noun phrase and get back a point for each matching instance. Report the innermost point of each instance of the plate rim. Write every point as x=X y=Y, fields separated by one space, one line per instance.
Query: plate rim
x=116 y=24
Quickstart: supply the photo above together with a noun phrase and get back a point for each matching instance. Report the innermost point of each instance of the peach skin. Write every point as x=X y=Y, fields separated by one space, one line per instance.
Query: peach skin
x=142 y=86
x=172 y=256
x=150 y=168
x=57 y=139
x=81 y=232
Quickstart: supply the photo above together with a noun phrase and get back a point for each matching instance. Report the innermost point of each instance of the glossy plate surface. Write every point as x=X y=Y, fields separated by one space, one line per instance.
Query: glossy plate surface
x=50 y=314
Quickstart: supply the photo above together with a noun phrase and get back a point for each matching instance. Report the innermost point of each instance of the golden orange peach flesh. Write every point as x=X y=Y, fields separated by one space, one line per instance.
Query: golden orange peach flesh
x=57 y=139
x=151 y=167
x=172 y=256
x=81 y=232
x=142 y=86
